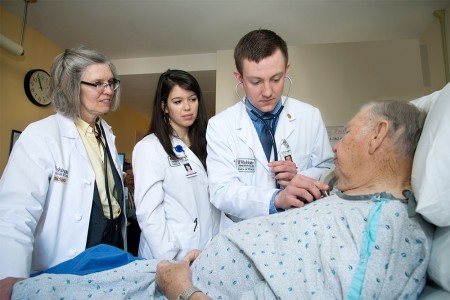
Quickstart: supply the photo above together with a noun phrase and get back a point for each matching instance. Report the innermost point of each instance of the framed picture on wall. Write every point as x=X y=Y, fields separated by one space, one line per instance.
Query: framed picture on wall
x=14 y=137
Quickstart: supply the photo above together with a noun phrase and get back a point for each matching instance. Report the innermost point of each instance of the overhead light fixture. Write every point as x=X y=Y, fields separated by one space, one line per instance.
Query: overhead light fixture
x=10 y=45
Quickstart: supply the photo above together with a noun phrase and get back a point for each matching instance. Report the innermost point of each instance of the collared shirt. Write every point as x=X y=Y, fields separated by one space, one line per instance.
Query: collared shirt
x=258 y=123
x=96 y=156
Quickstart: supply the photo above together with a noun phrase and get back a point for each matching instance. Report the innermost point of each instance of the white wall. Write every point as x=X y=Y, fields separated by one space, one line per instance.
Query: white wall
x=339 y=78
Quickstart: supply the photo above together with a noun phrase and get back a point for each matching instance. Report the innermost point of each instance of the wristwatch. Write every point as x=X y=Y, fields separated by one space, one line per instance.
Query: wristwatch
x=188 y=293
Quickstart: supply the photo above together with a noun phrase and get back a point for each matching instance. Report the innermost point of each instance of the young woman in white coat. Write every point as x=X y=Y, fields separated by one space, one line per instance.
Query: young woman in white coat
x=61 y=191
x=171 y=185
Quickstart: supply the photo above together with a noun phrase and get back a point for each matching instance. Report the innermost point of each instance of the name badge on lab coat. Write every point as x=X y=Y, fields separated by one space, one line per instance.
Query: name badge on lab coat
x=173 y=162
x=245 y=164
x=61 y=174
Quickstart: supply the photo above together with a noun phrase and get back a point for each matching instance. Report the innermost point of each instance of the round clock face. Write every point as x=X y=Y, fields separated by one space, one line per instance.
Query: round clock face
x=37 y=87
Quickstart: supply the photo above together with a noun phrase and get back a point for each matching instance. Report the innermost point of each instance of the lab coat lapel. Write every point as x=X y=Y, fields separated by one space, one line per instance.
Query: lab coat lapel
x=69 y=131
x=247 y=133
x=285 y=127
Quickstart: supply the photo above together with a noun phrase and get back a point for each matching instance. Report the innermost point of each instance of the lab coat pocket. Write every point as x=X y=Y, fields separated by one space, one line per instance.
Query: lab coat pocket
x=187 y=238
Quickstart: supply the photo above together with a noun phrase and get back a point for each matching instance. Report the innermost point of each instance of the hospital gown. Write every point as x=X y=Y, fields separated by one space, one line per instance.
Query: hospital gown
x=321 y=251
x=339 y=247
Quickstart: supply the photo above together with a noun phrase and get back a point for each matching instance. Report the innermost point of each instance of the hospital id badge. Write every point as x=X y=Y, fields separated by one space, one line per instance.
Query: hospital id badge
x=189 y=171
x=187 y=166
x=287 y=155
x=246 y=164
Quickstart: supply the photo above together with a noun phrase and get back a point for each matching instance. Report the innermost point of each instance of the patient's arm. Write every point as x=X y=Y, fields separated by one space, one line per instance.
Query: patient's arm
x=173 y=279
x=6 y=286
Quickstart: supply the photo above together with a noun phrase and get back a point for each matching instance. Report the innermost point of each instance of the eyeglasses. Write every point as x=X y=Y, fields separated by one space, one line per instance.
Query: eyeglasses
x=101 y=86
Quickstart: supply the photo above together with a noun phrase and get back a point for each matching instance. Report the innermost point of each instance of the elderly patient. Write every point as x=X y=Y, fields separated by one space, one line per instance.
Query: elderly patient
x=364 y=242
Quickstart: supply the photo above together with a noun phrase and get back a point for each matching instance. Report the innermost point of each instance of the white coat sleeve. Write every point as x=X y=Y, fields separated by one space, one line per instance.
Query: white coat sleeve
x=228 y=190
x=23 y=190
x=149 y=173
x=321 y=157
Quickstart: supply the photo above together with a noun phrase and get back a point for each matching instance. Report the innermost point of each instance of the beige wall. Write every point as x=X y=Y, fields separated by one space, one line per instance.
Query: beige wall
x=339 y=78
x=433 y=64
x=16 y=111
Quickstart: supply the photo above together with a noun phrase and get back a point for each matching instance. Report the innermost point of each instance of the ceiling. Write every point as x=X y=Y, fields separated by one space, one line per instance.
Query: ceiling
x=136 y=28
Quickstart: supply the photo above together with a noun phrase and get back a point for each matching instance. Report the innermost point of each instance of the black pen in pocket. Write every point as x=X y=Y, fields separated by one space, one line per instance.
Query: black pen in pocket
x=195 y=221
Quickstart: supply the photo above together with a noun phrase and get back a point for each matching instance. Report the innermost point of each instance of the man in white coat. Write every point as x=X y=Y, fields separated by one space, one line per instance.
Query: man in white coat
x=258 y=145
x=61 y=191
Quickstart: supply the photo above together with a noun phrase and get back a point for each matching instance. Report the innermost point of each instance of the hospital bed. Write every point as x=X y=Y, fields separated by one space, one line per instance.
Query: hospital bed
x=431 y=185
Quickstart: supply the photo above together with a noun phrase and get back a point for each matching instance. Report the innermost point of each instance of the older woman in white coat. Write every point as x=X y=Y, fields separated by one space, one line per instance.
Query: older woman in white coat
x=171 y=186
x=61 y=192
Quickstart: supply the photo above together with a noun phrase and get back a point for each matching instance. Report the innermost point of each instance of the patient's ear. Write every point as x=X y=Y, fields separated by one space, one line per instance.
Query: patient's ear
x=378 y=135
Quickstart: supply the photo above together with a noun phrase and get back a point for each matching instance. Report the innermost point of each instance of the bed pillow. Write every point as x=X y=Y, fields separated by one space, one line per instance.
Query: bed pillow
x=431 y=167
x=439 y=266
x=431 y=180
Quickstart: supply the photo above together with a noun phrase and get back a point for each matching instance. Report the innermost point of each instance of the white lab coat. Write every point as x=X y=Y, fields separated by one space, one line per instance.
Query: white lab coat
x=46 y=195
x=240 y=181
x=173 y=210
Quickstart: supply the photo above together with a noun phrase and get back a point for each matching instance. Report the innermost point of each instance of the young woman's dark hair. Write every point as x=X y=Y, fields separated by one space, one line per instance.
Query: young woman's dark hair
x=161 y=127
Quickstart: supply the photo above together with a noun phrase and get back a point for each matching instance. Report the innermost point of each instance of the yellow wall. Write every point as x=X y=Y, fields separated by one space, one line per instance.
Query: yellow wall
x=128 y=127
x=16 y=111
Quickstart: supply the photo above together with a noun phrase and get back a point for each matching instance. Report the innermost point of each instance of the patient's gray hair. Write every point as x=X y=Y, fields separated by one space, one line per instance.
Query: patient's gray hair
x=66 y=77
x=406 y=119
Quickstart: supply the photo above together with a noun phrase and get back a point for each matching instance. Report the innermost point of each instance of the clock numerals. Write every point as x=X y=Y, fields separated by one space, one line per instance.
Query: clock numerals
x=37 y=87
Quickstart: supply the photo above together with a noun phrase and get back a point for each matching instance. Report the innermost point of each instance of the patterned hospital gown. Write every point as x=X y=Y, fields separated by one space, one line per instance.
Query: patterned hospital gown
x=353 y=247
x=339 y=247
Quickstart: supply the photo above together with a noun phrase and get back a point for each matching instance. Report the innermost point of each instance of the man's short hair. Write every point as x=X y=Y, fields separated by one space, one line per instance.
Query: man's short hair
x=257 y=45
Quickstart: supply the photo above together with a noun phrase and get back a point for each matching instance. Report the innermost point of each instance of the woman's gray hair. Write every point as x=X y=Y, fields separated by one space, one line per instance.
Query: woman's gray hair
x=406 y=122
x=66 y=72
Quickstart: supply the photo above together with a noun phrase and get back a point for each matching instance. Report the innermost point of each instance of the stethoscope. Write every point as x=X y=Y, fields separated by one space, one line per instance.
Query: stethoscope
x=274 y=117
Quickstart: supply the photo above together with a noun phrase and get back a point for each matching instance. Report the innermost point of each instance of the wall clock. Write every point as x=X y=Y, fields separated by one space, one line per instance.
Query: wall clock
x=37 y=87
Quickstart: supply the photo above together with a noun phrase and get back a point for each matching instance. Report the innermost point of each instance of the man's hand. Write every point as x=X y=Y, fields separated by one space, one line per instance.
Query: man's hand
x=300 y=191
x=6 y=287
x=284 y=170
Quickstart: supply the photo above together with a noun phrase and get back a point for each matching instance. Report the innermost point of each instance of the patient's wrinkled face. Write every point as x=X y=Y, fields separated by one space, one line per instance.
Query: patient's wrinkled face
x=351 y=153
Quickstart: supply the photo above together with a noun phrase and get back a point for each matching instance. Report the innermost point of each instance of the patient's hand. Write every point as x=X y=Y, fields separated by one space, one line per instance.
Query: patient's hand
x=191 y=256
x=300 y=191
x=173 y=278
x=285 y=171
x=6 y=287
